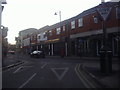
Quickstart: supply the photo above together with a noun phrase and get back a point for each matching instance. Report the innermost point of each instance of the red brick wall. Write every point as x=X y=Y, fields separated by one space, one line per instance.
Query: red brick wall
x=88 y=24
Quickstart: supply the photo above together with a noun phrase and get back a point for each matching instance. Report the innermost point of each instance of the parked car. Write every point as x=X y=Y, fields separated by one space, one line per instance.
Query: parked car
x=11 y=52
x=37 y=54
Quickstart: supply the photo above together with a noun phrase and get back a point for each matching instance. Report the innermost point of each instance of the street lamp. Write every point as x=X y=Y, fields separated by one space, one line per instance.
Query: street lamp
x=59 y=14
x=61 y=49
x=1 y=9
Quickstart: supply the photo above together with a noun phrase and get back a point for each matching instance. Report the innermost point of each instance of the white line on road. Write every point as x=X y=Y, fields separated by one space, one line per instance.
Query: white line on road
x=56 y=73
x=22 y=67
x=17 y=70
x=28 y=80
x=43 y=65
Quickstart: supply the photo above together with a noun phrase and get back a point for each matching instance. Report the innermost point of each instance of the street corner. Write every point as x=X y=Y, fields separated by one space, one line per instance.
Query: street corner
x=91 y=75
x=12 y=65
x=88 y=79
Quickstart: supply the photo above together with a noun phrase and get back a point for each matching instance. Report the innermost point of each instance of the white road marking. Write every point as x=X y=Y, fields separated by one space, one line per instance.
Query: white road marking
x=28 y=80
x=56 y=73
x=43 y=65
x=21 y=68
x=17 y=70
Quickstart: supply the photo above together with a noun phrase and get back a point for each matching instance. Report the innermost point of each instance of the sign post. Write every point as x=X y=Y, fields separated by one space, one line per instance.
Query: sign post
x=105 y=61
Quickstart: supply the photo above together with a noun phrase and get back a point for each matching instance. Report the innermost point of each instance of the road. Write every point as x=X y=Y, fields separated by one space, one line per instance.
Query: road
x=46 y=72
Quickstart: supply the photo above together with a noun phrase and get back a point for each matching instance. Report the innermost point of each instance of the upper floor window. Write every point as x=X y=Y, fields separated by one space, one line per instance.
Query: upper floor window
x=118 y=13
x=44 y=34
x=63 y=28
x=50 y=33
x=39 y=36
x=80 y=22
x=95 y=19
x=58 y=30
x=72 y=24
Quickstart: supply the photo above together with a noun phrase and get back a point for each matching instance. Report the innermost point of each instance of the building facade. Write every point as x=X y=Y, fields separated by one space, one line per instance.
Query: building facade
x=82 y=35
x=23 y=41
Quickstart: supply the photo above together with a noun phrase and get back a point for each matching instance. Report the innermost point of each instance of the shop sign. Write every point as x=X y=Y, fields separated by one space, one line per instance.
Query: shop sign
x=53 y=40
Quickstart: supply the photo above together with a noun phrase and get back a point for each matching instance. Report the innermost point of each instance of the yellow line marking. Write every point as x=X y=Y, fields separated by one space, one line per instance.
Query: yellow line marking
x=83 y=81
x=85 y=77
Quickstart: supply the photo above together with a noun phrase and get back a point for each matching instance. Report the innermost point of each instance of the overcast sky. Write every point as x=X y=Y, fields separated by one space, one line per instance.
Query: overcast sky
x=22 y=14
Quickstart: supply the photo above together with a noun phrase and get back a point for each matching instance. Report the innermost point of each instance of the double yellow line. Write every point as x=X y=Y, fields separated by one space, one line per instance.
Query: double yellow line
x=82 y=77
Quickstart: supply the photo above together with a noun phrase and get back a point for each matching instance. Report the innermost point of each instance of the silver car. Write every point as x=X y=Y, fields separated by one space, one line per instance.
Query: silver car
x=37 y=54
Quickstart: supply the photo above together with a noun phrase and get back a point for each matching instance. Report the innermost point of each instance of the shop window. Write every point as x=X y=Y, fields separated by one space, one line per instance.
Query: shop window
x=72 y=24
x=80 y=22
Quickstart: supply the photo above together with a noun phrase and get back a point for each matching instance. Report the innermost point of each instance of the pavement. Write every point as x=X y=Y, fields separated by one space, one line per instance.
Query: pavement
x=92 y=69
x=9 y=62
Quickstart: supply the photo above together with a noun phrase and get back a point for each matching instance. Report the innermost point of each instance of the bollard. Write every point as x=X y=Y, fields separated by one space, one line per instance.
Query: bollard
x=102 y=61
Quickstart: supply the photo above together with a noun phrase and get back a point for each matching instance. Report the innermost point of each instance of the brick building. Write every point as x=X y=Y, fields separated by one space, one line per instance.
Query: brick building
x=83 y=34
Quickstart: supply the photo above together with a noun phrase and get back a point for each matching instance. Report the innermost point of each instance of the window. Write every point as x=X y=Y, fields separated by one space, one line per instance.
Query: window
x=118 y=13
x=50 y=33
x=72 y=24
x=95 y=20
x=80 y=22
x=58 y=30
x=63 y=28
x=44 y=35
x=39 y=36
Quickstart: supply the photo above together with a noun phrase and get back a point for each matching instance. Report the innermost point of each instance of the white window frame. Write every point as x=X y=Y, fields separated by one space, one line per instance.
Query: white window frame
x=80 y=22
x=64 y=28
x=58 y=30
x=73 y=24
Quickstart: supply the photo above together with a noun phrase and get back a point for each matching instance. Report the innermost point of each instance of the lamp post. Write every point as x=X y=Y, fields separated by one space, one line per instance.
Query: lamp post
x=59 y=14
x=1 y=9
x=60 y=21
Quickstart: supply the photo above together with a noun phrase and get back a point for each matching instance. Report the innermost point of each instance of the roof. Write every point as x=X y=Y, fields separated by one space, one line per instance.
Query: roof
x=84 y=13
x=45 y=28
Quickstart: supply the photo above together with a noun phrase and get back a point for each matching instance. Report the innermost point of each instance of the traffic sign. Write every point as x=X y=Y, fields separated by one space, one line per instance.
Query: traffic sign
x=104 y=12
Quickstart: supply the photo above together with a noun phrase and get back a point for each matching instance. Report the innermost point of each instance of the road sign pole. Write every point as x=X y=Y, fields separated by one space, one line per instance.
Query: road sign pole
x=105 y=60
